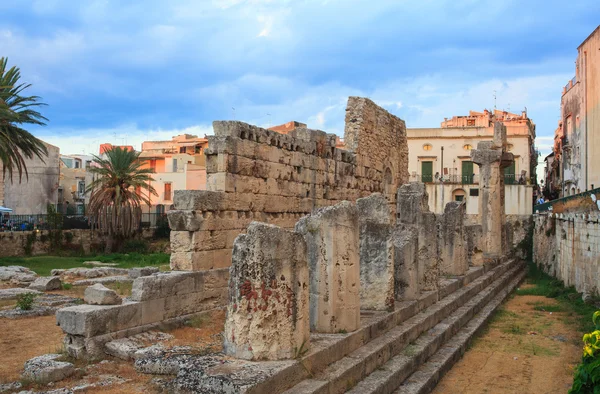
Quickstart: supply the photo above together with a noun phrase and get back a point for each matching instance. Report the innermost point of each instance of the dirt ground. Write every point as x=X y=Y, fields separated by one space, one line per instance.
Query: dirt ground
x=22 y=339
x=531 y=346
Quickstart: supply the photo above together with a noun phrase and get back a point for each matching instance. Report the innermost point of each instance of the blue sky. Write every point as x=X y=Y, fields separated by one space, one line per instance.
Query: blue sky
x=116 y=71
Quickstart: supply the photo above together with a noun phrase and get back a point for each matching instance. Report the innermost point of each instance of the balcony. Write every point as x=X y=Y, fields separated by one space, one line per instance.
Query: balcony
x=446 y=179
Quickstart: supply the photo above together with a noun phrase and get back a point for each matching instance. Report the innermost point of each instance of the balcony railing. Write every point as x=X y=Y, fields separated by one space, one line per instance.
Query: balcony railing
x=448 y=179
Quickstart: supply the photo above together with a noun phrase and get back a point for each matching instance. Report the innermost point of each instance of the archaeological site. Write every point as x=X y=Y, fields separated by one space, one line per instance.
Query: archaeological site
x=333 y=272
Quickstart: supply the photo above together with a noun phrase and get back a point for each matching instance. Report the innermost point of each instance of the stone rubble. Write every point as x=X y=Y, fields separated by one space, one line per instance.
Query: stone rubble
x=103 y=280
x=47 y=368
x=46 y=283
x=143 y=271
x=13 y=293
x=126 y=348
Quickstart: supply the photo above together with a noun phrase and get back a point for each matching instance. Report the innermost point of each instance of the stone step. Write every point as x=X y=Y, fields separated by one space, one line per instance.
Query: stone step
x=344 y=373
x=328 y=348
x=392 y=374
x=429 y=374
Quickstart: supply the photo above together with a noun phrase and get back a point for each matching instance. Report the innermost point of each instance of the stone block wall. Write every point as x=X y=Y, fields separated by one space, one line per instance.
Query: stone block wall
x=254 y=174
x=567 y=247
x=156 y=300
x=13 y=244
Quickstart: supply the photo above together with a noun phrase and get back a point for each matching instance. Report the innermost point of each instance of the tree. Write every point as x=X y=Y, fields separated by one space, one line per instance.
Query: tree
x=16 y=143
x=117 y=194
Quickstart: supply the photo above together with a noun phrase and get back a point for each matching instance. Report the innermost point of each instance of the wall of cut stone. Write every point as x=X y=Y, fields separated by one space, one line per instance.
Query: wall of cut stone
x=567 y=247
x=157 y=300
x=254 y=174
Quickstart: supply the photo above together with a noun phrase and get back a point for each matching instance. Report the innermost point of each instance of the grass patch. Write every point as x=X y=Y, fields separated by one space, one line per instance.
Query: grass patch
x=122 y=288
x=199 y=321
x=569 y=300
x=42 y=265
x=542 y=307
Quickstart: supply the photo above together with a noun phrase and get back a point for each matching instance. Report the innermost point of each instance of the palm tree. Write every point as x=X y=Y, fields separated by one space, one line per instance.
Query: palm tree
x=16 y=143
x=116 y=199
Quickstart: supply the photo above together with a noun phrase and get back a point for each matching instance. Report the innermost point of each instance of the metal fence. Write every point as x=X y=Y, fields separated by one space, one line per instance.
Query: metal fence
x=10 y=222
x=548 y=206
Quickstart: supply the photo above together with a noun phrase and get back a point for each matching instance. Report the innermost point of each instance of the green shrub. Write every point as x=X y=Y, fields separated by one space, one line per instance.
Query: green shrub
x=67 y=286
x=25 y=301
x=135 y=246
x=69 y=237
x=587 y=374
x=30 y=239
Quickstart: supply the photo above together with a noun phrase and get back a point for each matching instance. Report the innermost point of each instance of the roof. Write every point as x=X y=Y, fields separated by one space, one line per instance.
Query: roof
x=588 y=37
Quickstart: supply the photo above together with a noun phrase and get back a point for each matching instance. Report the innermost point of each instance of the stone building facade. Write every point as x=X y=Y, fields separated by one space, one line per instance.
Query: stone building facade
x=32 y=195
x=441 y=158
x=577 y=137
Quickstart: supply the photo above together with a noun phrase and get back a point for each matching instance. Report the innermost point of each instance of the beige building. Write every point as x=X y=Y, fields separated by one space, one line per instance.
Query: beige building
x=577 y=138
x=33 y=194
x=74 y=180
x=441 y=158
x=179 y=164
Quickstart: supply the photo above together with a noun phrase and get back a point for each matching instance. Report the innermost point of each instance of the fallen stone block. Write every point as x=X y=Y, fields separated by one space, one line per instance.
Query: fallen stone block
x=143 y=271
x=102 y=280
x=7 y=273
x=126 y=348
x=46 y=283
x=98 y=294
x=57 y=272
x=99 y=264
x=45 y=369
x=23 y=279
x=12 y=294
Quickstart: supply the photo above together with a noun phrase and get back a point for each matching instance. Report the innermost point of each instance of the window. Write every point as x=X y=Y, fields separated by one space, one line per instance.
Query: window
x=153 y=164
x=426 y=171
x=77 y=164
x=197 y=149
x=470 y=122
x=474 y=192
x=81 y=188
x=182 y=149
x=468 y=147
x=174 y=165
x=167 y=192
x=459 y=197
x=427 y=147
x=467 y=172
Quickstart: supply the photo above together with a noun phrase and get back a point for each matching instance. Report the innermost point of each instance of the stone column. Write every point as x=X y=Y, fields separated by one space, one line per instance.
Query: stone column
x=267 y=313
x=416 y=242
x=492 y=158
x=332 y=240
x=376 y=253
x=453 y=247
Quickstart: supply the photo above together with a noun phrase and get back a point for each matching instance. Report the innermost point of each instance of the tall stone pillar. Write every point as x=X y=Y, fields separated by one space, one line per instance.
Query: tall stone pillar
x=267 y=313
x=332 y=241
x=376 y=253
x=492 y=158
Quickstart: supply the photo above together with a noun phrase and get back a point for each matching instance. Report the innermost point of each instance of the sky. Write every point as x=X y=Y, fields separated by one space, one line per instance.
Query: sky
x=128 y=71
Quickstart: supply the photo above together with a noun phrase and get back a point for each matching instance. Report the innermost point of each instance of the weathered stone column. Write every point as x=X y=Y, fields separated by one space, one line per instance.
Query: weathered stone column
x=267 y=314
x=453 y=246
x=416 y=243
x=332 y=240
x=376 y=253
x=492 y=159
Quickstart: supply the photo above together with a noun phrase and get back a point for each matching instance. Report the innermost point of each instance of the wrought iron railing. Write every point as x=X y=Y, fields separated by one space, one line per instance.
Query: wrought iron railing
x=10 y=222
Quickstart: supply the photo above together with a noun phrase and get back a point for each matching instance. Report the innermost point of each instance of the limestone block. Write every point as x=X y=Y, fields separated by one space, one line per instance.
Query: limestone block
x=166 y=284
x=184 y=220
x=332 y=238
x=198 y=200
x=46 y=283
x=93 y=320
x=98 y=294
x=45 y=369
x=267 y=313
x=142 y=271
x=412 y=202
x=376 y=253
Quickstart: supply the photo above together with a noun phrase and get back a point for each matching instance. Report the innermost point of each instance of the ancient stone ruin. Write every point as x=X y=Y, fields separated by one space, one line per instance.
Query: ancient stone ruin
x=328 y=263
